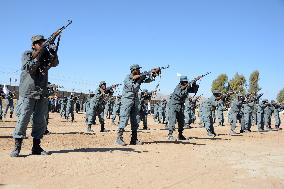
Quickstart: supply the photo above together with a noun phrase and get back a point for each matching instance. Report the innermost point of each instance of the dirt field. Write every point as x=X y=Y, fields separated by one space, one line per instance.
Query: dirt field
x=79 y=160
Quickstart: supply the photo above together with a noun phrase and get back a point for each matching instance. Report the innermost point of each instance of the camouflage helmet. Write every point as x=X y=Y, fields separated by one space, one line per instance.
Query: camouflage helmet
x=134 y=67
x=183 y=79
x=36 y=38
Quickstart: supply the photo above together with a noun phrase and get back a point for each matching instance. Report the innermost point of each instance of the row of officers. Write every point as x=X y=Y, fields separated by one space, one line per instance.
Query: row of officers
x=32 y=105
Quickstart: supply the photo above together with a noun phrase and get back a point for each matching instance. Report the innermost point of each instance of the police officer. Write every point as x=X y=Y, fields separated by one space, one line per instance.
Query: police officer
x=63 y=105
x=9 y=104
x=2 y=96
x=130 y=101
x=162 y=111
x=260 y=115
x=70 y=107
x=144 y=97
x=109 y=107
x=206 y=109
x=116 y=109
x=156 y=112
x=235 y=109
x=176 y=106
x=276 y=109
x=220 y=112
x=267 y=115
x=33 y=94
x=77 y=104
x=95 y=106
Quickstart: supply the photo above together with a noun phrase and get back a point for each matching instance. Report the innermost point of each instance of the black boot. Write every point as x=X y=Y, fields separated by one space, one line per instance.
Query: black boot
x=134 y=140
x=180 y=136
x=277 y=128
x=11 y=115
x=37 y=150
x=18 y=146
x=211 y=133
x=89 y=128
x=103 y=129
x=46 y=132
x=119 y=139
x=145 y=128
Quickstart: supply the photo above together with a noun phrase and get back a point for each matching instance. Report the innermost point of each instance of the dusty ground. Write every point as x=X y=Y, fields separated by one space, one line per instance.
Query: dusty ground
x=79 y=160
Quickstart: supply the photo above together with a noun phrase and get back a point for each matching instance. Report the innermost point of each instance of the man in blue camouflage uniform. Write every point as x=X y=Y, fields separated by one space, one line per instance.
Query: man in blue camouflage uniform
x=162 y=111
x=116 y=109
x=9 y=104
x=63 y=105
x=144 y=97
x=130 y=101
x=247 y=113
x=206 y=109
x=188 y=112
x=33 y=94
x=276 y=110
x=2 y=96
x=267 y=116
x=87 y=108
x=176 y=106
x=254 y=114
x=194 y=106
x=260 y=115
x=235 y=109
x=156 y=112
x=220 y=112
x=78 y=104
x=95 y=106
x=109 y=107
x=70 y=107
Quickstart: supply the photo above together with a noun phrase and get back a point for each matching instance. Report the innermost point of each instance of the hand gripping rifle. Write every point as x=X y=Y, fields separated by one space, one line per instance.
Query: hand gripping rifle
x=155 y=71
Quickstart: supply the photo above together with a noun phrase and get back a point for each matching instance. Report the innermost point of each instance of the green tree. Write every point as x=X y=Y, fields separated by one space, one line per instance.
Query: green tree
x=238 y=83
x=253 y=82
x=220 y=83
x=280 y=96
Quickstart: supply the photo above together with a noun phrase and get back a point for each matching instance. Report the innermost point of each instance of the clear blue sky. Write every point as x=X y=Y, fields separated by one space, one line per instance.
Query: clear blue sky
x=107 y=36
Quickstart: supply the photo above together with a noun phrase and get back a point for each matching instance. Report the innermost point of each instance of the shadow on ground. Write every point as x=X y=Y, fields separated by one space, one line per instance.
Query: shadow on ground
x=96 y=150
x=174 y=142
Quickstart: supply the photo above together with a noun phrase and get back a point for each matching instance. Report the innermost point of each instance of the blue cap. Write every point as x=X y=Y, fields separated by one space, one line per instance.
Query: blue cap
x=183 y=78
x=134 y=66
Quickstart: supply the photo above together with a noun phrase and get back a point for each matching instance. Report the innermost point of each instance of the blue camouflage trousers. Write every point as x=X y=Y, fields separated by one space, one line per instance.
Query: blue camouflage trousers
x=175 y=116
x=34 y=110
x=232 y=116
x=129 y=109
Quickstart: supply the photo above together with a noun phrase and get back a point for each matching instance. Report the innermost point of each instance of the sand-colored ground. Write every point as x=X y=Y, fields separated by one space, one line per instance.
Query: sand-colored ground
x=79 y=160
